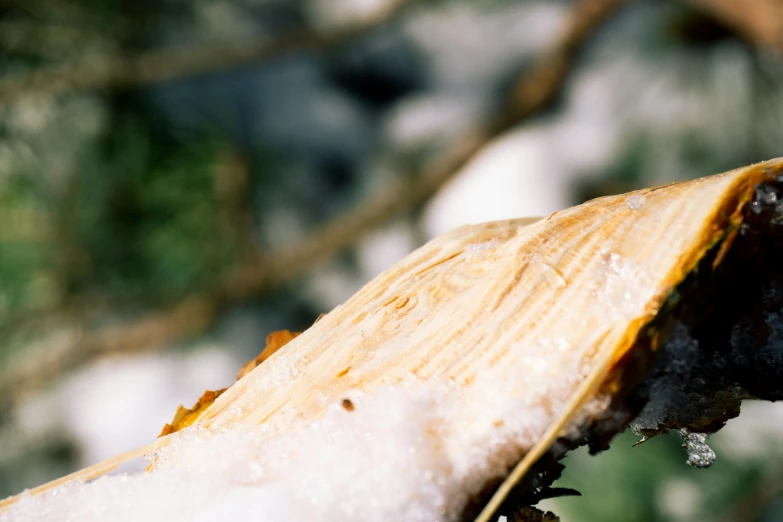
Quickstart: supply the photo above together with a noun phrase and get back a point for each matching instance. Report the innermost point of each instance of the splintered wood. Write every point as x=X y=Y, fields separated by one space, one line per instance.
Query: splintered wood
x=509 y=333
x=187 y=416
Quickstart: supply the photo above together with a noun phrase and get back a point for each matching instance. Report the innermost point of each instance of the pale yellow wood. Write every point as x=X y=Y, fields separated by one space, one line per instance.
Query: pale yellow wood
x=475 y=309
x=479 y=303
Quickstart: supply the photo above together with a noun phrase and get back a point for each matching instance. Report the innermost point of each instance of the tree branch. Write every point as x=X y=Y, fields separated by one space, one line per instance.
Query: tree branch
x=54 y=40
x=760 y=21
x=532 y=92
x=161 y=65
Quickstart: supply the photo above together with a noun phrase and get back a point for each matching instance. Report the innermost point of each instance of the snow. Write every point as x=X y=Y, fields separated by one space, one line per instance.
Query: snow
x=119 y=403
x=406 y=452
x=635 y=201
x=477 y=250
x=310 y=473
x=700 y=454
x=622 y=287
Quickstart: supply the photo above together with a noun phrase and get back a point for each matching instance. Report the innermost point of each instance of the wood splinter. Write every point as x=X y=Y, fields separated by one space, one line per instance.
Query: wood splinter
x=563 y=319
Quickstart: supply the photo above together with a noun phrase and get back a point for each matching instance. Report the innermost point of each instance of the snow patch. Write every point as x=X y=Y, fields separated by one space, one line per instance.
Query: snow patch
x=407 y=452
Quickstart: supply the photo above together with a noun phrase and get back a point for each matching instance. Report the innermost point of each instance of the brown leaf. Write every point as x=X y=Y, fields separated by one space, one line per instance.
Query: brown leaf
x=187 y=416
x=274 y=342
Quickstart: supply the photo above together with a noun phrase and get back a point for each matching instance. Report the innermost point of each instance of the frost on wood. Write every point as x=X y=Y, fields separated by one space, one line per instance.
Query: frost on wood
x=380 y=461
x=700 y=454
x=486 y=354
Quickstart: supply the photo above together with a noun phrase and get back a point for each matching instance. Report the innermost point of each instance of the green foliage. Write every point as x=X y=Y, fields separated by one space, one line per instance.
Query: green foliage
x=141 y=220
x=150 y=218
x=22 y=259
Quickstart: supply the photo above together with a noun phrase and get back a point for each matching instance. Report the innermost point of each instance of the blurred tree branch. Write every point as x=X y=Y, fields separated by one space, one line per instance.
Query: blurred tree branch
x=47 y=41
x=760 y=21
x=168 y=64
x=533 y=91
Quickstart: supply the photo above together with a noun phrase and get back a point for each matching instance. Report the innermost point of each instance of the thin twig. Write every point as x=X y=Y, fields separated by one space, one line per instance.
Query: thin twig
x=533 y=92
x=161 y=65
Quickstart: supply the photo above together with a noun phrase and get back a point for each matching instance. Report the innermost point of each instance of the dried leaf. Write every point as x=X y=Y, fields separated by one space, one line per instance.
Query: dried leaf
x=187 y=416
x=274 y=342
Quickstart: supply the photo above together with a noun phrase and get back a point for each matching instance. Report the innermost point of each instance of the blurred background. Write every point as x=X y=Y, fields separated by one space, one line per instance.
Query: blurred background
x=178 y=178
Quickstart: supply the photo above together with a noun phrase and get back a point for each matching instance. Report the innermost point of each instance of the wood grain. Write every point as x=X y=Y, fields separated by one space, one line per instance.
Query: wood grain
x=522 y=320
